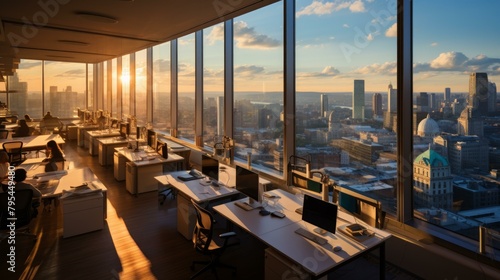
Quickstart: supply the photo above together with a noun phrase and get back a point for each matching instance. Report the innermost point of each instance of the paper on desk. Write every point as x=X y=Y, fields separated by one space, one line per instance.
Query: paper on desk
x=79 y=191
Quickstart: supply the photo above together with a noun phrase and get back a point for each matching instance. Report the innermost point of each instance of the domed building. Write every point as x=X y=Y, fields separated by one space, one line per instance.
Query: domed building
x=428 y=127
x=432 y=181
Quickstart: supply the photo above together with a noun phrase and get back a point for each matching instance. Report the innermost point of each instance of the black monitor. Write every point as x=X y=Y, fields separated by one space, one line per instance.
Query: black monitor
x=124 y=130
x=247 y=182
x=320 y=213
x=210 y=167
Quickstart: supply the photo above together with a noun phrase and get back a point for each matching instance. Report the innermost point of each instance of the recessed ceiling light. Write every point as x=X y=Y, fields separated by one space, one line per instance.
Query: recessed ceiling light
x=97 y=17
x=73 y=42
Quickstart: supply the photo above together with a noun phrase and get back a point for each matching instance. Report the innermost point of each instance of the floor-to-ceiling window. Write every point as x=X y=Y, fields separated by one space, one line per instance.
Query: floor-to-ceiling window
x=25 y=89
x=64 y=88
x=105 y=86
x=114 y=91
x=456 y=118
x=213 y=85
x=125 y=80
x=141 y=87
x=161 y=87
x=186 y=88
x=258 y=88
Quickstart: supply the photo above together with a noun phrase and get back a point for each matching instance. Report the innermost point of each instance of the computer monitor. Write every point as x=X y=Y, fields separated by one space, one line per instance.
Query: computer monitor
x=247 y=182
x=320 y=213
x=210 y=167
x=124 y=130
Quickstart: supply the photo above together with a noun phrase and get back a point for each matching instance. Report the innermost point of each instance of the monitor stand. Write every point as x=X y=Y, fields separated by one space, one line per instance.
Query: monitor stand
x=253 y=203
x=320 y=231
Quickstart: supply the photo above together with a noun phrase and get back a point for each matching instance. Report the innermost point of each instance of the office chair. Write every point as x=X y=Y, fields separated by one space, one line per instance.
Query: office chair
x=23 y=212
x=15 y=151
x=165 y=192
x=205 y=244
x=4 y=134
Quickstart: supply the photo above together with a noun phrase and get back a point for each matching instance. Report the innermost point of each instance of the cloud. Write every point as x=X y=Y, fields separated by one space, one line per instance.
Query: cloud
x=459 y=62
x=217 y=34
x=29 y=65
x=370 y=37
x=392 y=31
x=248 y=71
x=75 y=73
x=325 y=8
x=328 y=71
x=434 y=44
x=161 y=65
x=212 y=73
x=345 y=25
x=387 y=68
x=247 y=37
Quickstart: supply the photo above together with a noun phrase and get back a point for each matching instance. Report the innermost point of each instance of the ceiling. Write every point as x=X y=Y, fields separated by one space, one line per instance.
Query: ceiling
x=92 y=31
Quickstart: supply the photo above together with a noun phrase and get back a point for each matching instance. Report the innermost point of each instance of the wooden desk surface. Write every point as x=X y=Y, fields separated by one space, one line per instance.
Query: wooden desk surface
x=35 y=142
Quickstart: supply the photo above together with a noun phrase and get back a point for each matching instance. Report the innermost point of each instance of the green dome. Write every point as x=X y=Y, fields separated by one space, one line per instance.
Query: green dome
x=431 y=158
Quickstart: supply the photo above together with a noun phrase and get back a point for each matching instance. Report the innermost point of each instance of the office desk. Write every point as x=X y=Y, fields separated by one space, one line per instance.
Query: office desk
x=106 y=149
x=197 y=190
x=91 y=137
x=36 y=142
x=142 y=166
x=80 y=132
x=316 y=260
x=60 y=182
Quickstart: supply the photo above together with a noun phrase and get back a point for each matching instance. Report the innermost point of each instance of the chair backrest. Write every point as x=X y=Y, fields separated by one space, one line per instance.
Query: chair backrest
x=203 y=230
x=4 y=134
x=22 y=208
x=15 y=150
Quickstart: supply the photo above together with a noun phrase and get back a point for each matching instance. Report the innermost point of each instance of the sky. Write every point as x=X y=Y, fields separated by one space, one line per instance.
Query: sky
x=342 y=40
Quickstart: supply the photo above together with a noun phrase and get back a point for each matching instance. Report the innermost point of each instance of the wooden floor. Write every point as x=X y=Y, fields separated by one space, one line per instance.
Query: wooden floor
x=139 y=241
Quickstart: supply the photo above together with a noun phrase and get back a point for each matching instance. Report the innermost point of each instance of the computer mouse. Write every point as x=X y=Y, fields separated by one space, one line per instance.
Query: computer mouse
x=264 y=212
x=337 y=249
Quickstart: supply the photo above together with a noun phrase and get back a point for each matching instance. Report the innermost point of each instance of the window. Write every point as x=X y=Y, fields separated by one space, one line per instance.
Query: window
x=213 y=85
x=25 y=89
x=345 y=69
x=141 y=87
x=186 y=88
x=125 y=80
x=161 y=86
x=454 y=81
x=115 y=110
x=258 y=88
x=64 y=88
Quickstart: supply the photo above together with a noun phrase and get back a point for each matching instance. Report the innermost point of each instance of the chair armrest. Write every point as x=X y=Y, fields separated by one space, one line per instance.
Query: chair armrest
x=227 y=234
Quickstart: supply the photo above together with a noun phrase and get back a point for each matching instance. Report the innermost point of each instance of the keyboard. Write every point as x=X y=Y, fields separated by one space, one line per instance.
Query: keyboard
x=243 y=205
x=311 y=236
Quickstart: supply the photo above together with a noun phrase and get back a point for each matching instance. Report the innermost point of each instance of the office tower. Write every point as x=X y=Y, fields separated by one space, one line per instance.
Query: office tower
x=377 y=104
x=324 y=105
x=470 y=123
x=465 y=153
x=392 y=99
x=220 y=115
x=358 y=100
x=447 y=95
x=432 y=181
x=432 y=102
x=492 y=97
x=18 y=96
x=478 y=92
x=423 y=102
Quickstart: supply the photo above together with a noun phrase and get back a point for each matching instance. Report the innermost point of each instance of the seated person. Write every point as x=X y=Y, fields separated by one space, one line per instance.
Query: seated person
x=54 y=154
x=22 y=130
x=27 y=118
x=47 y=116
x=19 y=177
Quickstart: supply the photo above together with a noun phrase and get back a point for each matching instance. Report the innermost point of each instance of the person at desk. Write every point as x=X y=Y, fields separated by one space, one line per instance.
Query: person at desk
x=27 y=118
x=22 y=130
x=54 y=154
x=47 y=116
x=19 y=177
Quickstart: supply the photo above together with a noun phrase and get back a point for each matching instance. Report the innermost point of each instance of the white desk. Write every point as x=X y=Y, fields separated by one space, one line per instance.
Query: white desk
x=36 y=142
x=143 y=166
x=80 y=132
x=106 y=149
x=197 y=190
x=317 y=260
x=91 y=137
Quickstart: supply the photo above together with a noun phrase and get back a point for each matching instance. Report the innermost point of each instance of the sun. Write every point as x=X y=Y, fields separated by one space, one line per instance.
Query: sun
x=125 y=78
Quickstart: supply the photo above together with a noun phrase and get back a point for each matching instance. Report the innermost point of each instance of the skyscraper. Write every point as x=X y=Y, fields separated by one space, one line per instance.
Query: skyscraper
x=492 y=97
x=478 y=92
x=377 y=104
x=447 y=95
x=423 y=102
x=324 y=105
x=392 y=99
x=358 y=100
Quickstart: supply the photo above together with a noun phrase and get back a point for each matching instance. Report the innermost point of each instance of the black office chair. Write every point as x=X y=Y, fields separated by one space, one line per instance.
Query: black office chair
x=203 y=240
x=165 y=192
x=15 y=151
x=23 y=212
